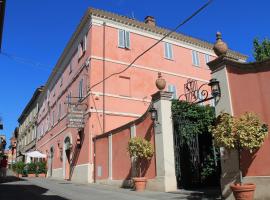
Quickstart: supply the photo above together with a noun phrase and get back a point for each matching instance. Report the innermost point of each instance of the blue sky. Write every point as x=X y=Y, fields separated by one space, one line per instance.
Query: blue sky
x=38 y=30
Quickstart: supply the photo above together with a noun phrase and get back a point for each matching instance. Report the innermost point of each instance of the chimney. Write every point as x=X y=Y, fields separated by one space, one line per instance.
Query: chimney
x=150 y=20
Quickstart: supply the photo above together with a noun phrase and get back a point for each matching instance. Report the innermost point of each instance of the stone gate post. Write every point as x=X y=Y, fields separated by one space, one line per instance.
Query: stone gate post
x=164 y=144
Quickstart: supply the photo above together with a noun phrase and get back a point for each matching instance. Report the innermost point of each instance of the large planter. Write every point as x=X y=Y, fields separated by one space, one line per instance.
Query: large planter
x=43 y=175
x=31 y=175
x=139 y=183
x=244 y=191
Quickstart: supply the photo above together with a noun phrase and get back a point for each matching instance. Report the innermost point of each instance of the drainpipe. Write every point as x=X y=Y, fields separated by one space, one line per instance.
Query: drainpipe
x=103 y=78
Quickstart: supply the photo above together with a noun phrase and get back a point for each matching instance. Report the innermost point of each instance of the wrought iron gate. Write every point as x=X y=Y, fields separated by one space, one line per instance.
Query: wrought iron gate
x=187 y=156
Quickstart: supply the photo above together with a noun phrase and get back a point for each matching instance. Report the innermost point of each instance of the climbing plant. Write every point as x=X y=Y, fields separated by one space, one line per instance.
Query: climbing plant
x=194 y=118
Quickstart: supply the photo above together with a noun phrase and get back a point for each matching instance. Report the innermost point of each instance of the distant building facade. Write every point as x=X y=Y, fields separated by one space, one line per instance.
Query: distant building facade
x=73 y=109
x=26 y=139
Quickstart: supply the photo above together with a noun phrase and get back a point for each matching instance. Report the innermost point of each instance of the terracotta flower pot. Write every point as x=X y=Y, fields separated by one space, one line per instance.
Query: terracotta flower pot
x=31 y=175
x=42 y=175
x=140 y=183
x=244 y=191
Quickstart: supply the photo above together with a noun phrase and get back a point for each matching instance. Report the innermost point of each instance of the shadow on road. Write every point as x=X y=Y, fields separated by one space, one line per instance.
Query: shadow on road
x=13 y=188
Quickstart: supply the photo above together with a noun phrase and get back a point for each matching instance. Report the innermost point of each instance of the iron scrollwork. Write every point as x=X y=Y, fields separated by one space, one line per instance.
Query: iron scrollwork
x=195 y=94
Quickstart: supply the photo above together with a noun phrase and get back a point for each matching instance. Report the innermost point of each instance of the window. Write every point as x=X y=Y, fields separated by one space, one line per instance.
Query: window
x=59 y=111
x=168 y=51
x=53 y=118
x=82 y=47
x=61 y=81
x=200 y=97
x=195 y=58
x=81 y=89
x=69 y=98
x=207 y=58
x=123 y=39
x=172 y=88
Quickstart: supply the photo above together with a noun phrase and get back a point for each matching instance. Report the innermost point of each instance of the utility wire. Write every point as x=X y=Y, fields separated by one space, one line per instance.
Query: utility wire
x=26 y=61
x=144 y=52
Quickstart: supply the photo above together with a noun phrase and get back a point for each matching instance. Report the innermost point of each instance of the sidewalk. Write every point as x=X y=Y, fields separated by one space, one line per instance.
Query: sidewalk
x=13 y=188
x=67 y=188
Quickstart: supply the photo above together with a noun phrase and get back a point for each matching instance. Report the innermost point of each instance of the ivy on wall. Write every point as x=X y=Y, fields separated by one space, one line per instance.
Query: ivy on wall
x=192 y=119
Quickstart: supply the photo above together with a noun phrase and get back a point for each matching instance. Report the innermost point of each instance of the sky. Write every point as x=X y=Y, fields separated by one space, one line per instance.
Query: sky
x=36 y=31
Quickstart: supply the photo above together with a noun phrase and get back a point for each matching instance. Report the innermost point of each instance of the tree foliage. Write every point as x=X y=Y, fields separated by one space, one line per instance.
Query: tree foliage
x=261 y=50
x=245 y=132
x=140 y=150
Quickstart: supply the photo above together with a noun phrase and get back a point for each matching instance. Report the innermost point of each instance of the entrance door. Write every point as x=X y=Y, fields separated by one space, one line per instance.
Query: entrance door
x=196 y=160
x=51 y=162
x=66 y=161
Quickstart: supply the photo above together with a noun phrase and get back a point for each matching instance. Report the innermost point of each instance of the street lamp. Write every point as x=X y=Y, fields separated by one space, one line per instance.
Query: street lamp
x=215 y=88
x=154 y=115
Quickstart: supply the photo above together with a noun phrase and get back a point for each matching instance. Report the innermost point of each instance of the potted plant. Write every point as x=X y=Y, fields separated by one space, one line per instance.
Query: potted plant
x=246 y=132
x=140 y=150
x=31 y=169
x=19 y=167
x=41 y=169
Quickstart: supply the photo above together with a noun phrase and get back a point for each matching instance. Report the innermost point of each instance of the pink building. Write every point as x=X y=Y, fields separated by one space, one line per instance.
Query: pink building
x=105 y=43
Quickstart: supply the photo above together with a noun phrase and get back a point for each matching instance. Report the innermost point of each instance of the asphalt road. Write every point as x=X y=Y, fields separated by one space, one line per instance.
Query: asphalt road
x=13 y=188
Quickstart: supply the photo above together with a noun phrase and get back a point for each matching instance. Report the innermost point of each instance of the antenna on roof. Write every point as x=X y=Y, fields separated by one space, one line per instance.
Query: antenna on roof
x=132 y=15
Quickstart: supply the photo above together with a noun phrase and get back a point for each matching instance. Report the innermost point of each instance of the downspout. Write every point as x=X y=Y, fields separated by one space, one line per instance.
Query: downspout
x=103 y=78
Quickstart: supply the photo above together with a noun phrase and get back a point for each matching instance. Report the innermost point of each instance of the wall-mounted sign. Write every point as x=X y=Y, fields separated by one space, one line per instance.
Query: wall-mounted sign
x=75 y=117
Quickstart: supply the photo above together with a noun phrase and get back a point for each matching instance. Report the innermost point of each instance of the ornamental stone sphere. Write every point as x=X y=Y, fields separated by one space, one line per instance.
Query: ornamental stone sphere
x=160 y=82
x=220 y=48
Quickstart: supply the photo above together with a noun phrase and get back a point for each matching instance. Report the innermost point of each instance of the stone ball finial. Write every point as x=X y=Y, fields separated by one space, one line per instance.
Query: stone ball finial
x=220 y=48
x=160 y=82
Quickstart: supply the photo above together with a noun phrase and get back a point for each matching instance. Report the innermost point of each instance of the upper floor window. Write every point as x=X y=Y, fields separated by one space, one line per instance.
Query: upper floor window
x=53 y=118
x=168 y=51
x=195 y=58
x=59 y=111
x=207 y=58
x=69 y=98
x=61 y=81
x=123 y=39
x=81 y=89
x=172 y=88
x=82 y=47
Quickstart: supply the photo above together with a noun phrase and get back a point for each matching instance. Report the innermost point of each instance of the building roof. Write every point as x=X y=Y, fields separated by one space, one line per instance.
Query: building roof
x=2 y=15
x=30 y=104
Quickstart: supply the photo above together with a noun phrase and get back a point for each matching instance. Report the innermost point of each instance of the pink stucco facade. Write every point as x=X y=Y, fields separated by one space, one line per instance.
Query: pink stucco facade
x=120 y=99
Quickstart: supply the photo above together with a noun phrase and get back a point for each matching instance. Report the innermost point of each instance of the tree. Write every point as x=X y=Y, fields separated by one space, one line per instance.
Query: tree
x=261 y=51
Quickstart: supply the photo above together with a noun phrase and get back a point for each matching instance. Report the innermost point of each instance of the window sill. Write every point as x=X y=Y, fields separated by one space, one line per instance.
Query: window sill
x=170 y=59
x=126 y=48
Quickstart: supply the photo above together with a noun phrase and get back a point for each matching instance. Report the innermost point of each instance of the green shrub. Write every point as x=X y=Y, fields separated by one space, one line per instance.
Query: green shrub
x=41 y=167
x=19 y=166
x=31 y=168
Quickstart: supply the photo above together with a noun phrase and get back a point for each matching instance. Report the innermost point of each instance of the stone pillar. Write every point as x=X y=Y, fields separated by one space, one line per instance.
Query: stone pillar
x=229 y=158
x=164 y=145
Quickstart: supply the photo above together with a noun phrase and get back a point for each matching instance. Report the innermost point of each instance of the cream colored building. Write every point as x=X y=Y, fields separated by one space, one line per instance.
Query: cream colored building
x=28 y=127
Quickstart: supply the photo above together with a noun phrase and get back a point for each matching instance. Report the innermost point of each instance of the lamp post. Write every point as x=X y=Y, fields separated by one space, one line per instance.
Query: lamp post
x=215 y=88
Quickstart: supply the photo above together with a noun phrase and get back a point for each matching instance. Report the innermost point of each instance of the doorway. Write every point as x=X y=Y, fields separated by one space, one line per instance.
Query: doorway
x=66 y=160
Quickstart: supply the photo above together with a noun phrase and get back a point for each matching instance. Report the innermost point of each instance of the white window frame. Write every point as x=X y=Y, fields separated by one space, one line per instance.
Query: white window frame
x=59 y=111
x=172 y=88
x=123 y=42
x=168 y=51
x=195 y=58
x=80 y=89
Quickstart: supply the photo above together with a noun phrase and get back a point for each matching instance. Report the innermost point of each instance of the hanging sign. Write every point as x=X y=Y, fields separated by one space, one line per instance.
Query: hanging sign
x=75 y=117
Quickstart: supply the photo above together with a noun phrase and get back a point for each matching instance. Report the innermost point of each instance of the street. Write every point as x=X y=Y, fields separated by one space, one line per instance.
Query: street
x=13 y=188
